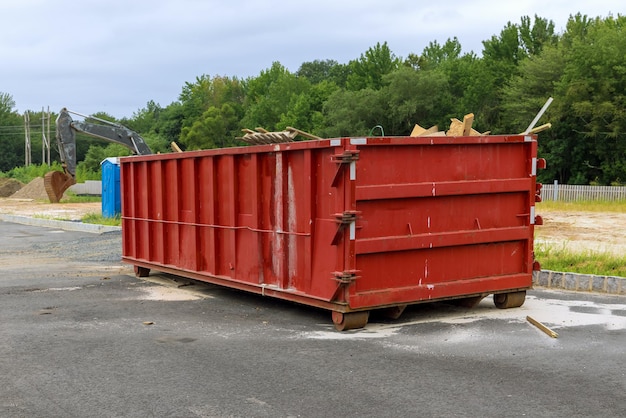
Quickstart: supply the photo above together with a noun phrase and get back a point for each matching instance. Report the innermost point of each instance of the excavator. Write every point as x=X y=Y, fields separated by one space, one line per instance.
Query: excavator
x=56 y=182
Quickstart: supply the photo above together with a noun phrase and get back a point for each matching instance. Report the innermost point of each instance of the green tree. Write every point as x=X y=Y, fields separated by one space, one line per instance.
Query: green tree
x=594 y=88
x=208 y=93
x=270 y=95
x=435 y=54
x=353 y=113
x=11 y=134
x=369 y=69
x=415 y=97
x=158 y=126
x=306 y=111
x=524 y=96
x=502 y=56
x=215 y=128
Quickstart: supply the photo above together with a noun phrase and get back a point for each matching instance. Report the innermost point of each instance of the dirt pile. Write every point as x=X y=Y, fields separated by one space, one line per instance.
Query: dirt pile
x=9 y=186
x=34 y=190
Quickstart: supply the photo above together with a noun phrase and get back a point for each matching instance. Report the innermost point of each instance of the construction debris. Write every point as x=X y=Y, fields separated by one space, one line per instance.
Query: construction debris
x=175 y=147
x=542 y=327
x=457 y=128
x=261 y=136
x=432 y=131
x=538 y=129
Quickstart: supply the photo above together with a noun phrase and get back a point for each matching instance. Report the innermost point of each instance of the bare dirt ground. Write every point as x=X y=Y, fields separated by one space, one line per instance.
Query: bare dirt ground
x=32 y=200
x=583 y=231
x=42 y=209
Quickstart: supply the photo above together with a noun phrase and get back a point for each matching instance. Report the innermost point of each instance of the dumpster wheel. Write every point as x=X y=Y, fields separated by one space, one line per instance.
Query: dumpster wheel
x=350 y=320
x=468 y=302
x=141 y=271
x=393 y=312
x=509 y=300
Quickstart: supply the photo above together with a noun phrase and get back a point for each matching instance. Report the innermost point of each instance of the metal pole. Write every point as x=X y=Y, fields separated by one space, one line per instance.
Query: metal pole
x=555 y=192
x=49 y=136
x=43 y=137
x=539 y=115
x=27 y=156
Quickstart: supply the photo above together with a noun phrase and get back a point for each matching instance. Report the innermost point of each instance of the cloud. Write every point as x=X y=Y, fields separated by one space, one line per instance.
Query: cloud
x=115 y=56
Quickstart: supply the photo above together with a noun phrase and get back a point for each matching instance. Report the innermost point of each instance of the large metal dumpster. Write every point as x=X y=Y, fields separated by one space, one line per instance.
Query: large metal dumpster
x=347 y=224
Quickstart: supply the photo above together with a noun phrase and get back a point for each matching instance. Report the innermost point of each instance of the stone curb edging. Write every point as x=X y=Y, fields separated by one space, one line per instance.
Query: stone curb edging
x=611 y=285
x=65 y=225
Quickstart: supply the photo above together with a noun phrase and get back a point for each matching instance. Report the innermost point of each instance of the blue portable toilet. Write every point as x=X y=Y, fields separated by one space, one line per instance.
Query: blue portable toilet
x=111 y=195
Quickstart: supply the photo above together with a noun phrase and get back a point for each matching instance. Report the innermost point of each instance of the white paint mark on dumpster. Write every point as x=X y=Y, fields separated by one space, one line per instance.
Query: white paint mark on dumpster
x=291 y=225
x=277 y=243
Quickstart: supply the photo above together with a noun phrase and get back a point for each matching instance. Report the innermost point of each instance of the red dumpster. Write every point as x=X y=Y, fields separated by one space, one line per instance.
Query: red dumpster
x=346 y=224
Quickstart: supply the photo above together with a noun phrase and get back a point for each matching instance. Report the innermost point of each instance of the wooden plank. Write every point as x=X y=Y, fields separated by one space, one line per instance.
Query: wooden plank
x=468 y=120
x=417 y=131
x=538 y=129
x=304 y=134
x=438 y=133
x=542 y=327
x=433 y=130
x=456 y=128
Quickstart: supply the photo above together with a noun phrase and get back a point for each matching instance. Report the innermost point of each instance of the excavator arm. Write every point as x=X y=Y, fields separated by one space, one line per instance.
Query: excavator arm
x=55 y=182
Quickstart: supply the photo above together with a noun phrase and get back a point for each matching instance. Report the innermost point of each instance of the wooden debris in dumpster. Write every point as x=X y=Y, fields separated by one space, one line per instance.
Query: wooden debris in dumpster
x=457 y=128
x=262 y=136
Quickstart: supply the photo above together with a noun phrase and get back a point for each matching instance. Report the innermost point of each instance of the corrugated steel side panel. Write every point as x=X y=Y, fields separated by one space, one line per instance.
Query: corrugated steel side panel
x=263 y=219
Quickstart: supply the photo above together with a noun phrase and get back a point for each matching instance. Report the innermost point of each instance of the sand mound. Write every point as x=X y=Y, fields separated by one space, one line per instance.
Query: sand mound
x=34 y=190
x=9 y=186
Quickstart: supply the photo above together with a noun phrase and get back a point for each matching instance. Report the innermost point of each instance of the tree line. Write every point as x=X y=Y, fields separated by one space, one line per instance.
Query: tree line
x=582 y=68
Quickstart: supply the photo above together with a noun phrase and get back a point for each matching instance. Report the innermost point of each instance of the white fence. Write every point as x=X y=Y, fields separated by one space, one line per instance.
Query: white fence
x=570 y=192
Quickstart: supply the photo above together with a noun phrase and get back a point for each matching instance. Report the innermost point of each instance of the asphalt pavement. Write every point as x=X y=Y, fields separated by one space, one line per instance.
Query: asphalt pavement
x=80 y=336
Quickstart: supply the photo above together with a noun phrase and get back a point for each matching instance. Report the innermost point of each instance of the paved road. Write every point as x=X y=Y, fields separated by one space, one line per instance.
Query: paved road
x=81 y=337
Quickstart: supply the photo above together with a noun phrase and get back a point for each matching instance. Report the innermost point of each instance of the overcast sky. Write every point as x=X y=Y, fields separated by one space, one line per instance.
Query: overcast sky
x=116 y=55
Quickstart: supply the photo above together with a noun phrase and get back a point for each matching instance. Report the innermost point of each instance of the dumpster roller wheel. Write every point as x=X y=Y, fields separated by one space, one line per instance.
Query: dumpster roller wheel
x=350 y=320
x=469 y=302
x=509 y=300
x=393 y=312
x=141 y=271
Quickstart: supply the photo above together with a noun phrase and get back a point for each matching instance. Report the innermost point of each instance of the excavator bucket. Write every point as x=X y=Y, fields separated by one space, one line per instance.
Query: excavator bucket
x=56 y=183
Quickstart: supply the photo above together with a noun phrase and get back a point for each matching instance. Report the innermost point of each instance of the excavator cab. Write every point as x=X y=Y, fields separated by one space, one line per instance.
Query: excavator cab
x=56 y=182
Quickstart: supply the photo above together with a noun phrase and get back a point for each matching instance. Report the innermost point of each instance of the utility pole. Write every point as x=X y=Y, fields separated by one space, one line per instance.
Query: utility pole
x=45 y=142
x=48 y=136
x=27 y=148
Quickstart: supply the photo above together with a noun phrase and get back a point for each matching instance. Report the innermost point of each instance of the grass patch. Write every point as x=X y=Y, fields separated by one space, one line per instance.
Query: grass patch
x=74 y=198
x=584 y=206
x=49 y=217
x=97 y=218
x=560 y=258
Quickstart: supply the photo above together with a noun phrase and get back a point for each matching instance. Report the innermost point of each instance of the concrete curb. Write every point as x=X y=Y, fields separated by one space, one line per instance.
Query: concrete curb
x=65 y=225
x=611 y=285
